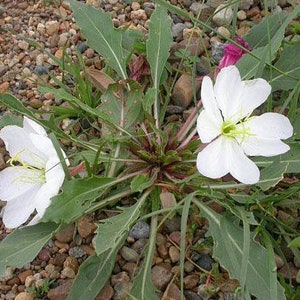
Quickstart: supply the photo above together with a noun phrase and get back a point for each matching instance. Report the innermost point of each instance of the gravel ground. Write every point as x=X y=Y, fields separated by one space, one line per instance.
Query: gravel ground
x=23 y=66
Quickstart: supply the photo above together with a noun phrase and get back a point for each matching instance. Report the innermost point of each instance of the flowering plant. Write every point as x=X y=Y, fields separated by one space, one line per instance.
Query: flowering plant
x=132 y=154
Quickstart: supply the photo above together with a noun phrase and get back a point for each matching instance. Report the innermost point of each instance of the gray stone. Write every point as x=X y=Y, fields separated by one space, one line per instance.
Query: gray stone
x=3 y=70
x=77 y=252
x=177 y=29
x=8 y=274
x=41 y=70
x=129 y=254
x=205 y=262
x=161 y=277
x=217 y=51
x=245 y=4
x=223 y=15
x=140 y=230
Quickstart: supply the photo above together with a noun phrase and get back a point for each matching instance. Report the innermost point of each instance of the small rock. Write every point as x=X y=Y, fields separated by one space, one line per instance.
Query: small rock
x=175 y=237
x=41 y=70
x=52 y=27
x=82 y=47
x=174 y=254
x=66 y=235
x=23 y=275
x=188 y=267
x=129 y=254
x=161 y=277
x=173 y=293
x=106 y=293
x=35 y=103
x=135 y=5
x=183 y=94
x=86 y=226
x=245 y=4
x=173 y=224
x=121 y=290
x=4 y=87
x=119 y=278
x=24 y=296
x=217 y=52
x=224 y=32
x=190 y=295
x=207 y=291
x=67 y=272
x=190 y=281
x=140 y=230
x=77 y=252
x=205 y=262
x=130 y=268
x=8 y=274
x=241 y=15
x=71 y=262
x=177 y=30
x=163 y=251
x=94 y=3
x=3 y=70
x=61 y=292
x=139 y=14
x=59 y=259
x=44 y=254
x=223 y=15
x=139 y=245
x=23 y=45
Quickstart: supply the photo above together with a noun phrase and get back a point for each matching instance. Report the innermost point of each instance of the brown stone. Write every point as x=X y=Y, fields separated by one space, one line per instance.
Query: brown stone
x=174 y=254
x=61 y=292
x=23 y=275
x=86 y=226
x=106 y=293
x=24 y=296
x=172 y=293
x=66 y=235
x=4 y=87
x=161 y=277
x=190 y=281
x=183 y=93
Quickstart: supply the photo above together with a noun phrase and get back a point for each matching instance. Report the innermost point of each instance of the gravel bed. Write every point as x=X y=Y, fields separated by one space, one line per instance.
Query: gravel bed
x=23 y=66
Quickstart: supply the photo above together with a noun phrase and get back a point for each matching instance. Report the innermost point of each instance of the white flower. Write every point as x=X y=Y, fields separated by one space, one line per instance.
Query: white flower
x=225 y=124
x=35 y=174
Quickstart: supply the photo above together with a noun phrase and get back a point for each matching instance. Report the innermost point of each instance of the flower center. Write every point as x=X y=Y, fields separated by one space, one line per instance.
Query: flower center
x=37 y=174
x=230 y=129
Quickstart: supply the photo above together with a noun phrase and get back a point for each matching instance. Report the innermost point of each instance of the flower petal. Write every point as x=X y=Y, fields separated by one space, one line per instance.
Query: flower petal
x=208 y=127
x=54 y=179
x=224 y=155
x=17 y=211
x=18 y=181
x=266 y=131
x=211 y=162
x=18 y=143
x=31 y=126
x=236 y=98
x=240 y=166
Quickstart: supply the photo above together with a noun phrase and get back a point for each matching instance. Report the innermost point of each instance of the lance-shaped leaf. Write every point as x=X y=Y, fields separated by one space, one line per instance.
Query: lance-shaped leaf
x=76 y=197
x=97 y=27
x=158 y=45
x=115 y=230
x=22 y=245
x=92 y=276
x=229 y=241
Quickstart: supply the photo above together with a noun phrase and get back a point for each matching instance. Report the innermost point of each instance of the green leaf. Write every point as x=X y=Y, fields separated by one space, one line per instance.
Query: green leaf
x=10 y=120
x=295 y=242
x=22 y=245
x=158 y=44
x=252 y=64
x=92 y=276
x=97 y=27
x=115 y=230
x=141 y=182
x=289 y=65
x=14 y=104
x=143 y=287
x=228 y=250
x=122 y=107
x=272 y=174
x=76 y=197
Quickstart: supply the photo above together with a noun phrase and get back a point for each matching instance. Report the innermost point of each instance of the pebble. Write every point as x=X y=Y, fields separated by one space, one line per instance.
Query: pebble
x=44 y=254
x=173 y=224
x=174 y=254
x=177 y=30
x=23 y=275
x=173 y=292
x=66 y=235
x=190 y=281
x=4 y=87
x=182 y=94
x=67 y=272
x=161 y=277
x=224 y=32
x=245 y=4
x=86 y=226
x=241 y=15
x=52 y=27
x=8 y=274
x=60 y=292
x=106 y=293
x=190 y=295
x=129 y=254
x=223 y=15
x=41 y=70
x=24 y=296
x=140 y=230
x=205 y=262
x=77 y=252
x=139 y=245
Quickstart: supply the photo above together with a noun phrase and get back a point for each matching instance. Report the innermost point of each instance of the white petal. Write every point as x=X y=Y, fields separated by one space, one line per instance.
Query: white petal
x=224 y=155
x=32 y=127
x=17 y=181
x=208 y=127
x=209 y=101
x=17 y=211
x=265 y=134
x=54 y=179
x=237 y=98
x=240 y=166
x=17 y=142
x=227 y=90
x=211 y=162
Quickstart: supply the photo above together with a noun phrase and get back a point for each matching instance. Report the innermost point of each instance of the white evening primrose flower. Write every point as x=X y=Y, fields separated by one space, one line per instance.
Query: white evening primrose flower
x=35 y=174
x=225 y=123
